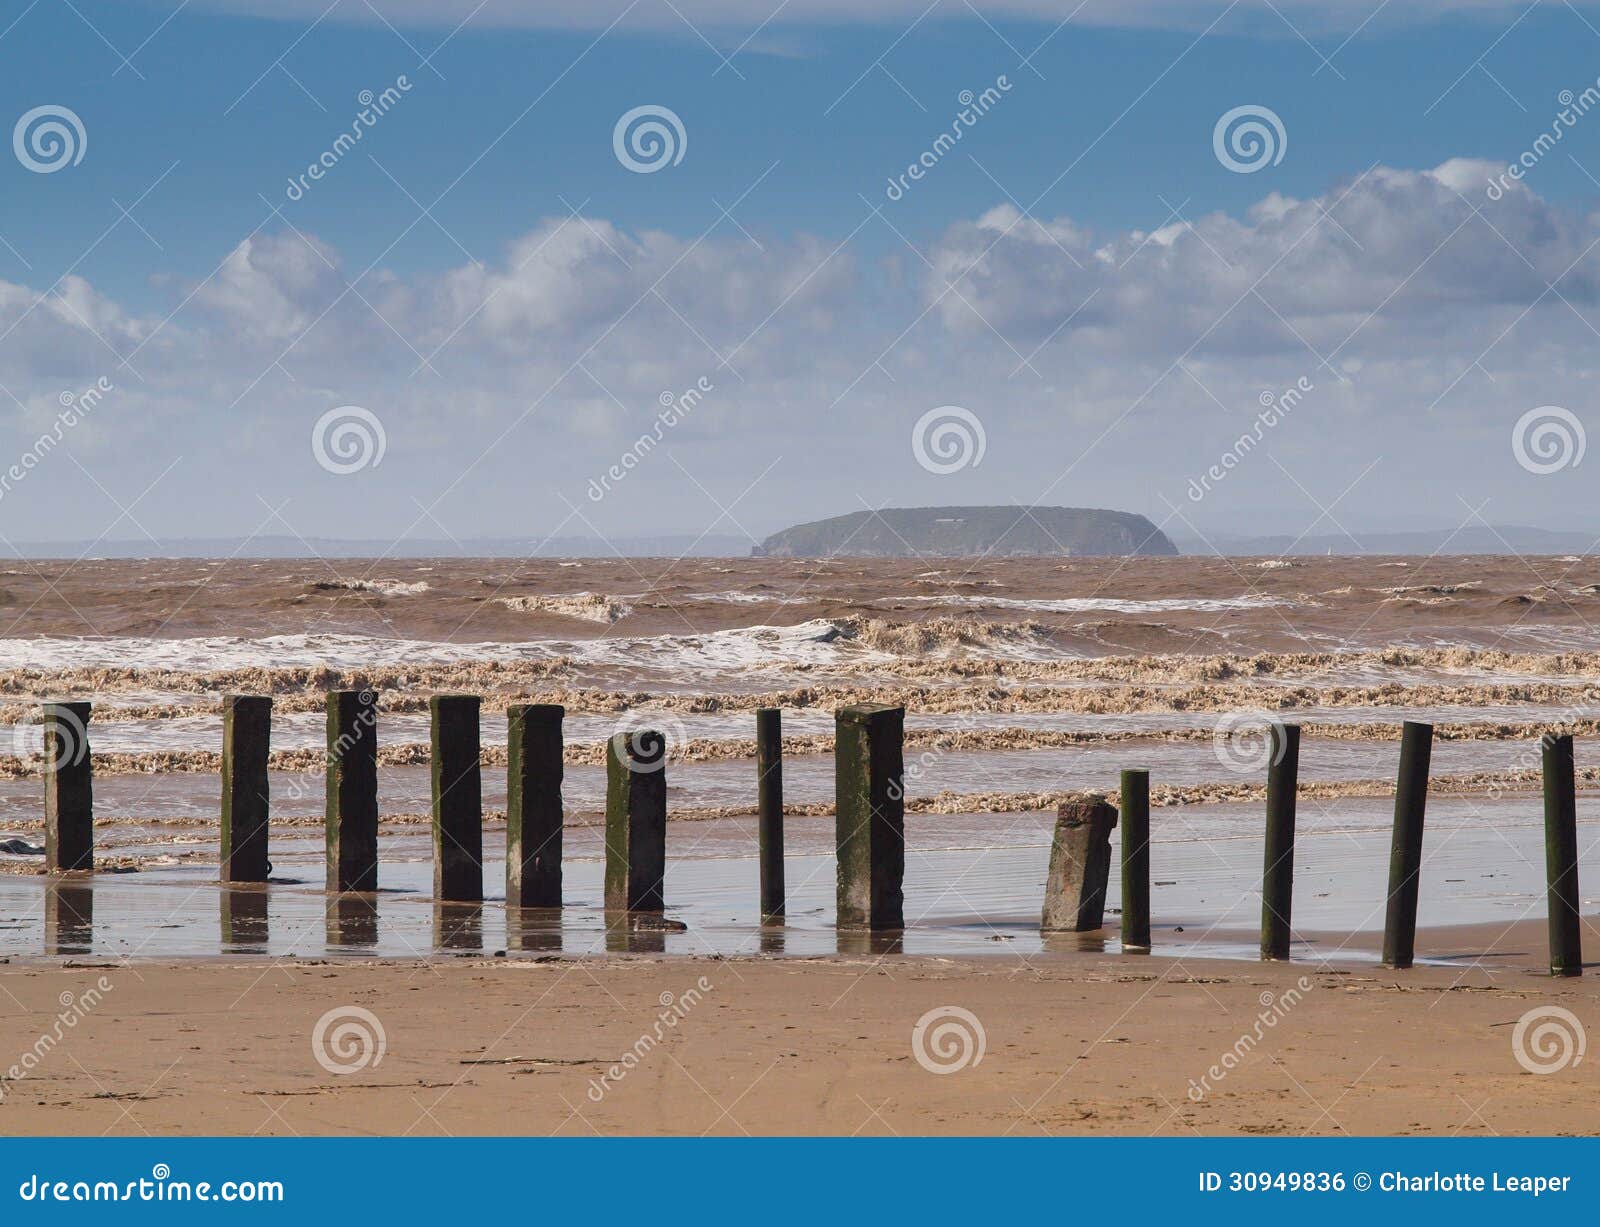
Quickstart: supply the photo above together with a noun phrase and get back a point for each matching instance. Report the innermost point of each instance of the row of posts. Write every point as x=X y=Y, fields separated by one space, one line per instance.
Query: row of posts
x=869 y=822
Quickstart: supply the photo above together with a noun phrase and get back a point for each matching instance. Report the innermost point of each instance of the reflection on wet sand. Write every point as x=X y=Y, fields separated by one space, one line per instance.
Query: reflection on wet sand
x=458 y=926
x=68 y=915
x=639 y=932
x=771 y=939
x=534 y=930
x=353 y=920
x=1093 y=942
x=870 y=941
x=244 y=916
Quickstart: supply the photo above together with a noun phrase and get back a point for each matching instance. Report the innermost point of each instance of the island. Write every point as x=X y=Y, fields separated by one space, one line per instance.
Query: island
x=960 y=532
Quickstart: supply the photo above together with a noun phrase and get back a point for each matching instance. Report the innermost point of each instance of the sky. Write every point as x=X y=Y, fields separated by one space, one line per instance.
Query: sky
x=714 y=267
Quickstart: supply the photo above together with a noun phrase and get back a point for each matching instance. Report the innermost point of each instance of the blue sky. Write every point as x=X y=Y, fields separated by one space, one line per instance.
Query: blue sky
x=819 y=323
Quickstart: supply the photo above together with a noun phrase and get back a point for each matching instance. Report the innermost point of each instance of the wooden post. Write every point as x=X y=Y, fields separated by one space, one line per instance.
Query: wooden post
x=246 y=735
x=457 y=799
x=533 y=804
x=68 y=788
x=351 y=817
x=1135 y=859
x=1080 y=866
x=1561 y=856
x=636 y=821
x=869 y=822
x=769 y=810
x=1405 y=853
x=1277 y=876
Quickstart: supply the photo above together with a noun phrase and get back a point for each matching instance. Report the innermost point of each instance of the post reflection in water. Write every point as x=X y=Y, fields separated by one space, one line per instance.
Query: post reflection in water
x=871 y=941
x=458 y=926
x=353 y=920
x=244 y=915
x=771 y=941
x=68 y=916
x=534 y=929
x=636 y=932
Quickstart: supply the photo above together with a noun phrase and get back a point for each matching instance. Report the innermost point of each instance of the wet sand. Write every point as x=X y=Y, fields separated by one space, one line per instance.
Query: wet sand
x=1072 y=1044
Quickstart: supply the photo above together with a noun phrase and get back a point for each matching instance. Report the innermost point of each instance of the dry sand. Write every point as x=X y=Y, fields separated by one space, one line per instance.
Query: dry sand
x=1074 y=1043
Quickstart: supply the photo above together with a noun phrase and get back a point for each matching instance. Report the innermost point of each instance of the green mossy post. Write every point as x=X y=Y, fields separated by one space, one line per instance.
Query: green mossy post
x=769 y=810
x=636 y=821
x=869 y=824
x=1277 y=875
x=533 y=804
x=68 y=788
x=351 y=815
x=246 y=736
x=1561 y=857
x=1135 y=859
x=457 y=798
x=1080 y=866
x=1405 y=853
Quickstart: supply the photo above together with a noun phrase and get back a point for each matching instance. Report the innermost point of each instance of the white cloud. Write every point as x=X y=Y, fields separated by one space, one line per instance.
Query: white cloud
x=1118 y=359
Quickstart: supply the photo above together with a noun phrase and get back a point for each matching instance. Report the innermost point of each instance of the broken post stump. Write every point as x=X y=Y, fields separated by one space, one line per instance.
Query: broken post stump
x=351 y=815
x=636 y=821
x=68 y=788
x=869 y=823
x=1080 y=865
x=457 y=798
x=1135 y=859
x=1405 y=852
x=1277 y=875
x=1561 y=856
x=533 y=804
x=246 y=737
x=769 y=809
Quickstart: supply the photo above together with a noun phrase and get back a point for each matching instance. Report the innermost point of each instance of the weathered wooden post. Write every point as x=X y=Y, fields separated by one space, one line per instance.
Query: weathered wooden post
x=533 y=804
x=1135 y=859
x=1405 y=853
x=1561 y=856
x=869 y=821
x=769 y=809
x=246 y=735
x=636 y=821
x=1277 y=876
x=1080 y=866
x=351 y=817
x=457 y=799
x=68 y=788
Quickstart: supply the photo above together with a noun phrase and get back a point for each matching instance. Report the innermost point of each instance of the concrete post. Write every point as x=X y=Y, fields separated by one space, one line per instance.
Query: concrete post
x=869 y=823
x=1080 y=866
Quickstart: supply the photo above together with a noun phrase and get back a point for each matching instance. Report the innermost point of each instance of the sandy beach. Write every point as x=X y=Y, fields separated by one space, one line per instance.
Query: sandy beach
x=1070 y=1044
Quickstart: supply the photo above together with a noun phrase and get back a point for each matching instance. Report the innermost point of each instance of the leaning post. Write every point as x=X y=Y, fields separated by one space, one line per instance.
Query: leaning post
x=1405 y=854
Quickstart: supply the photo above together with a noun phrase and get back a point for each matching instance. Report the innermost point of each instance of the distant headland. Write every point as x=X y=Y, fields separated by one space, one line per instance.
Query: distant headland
x=957 y=532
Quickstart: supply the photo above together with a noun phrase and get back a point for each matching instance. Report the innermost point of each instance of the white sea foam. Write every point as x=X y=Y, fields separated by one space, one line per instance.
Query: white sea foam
x=1099 y=604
